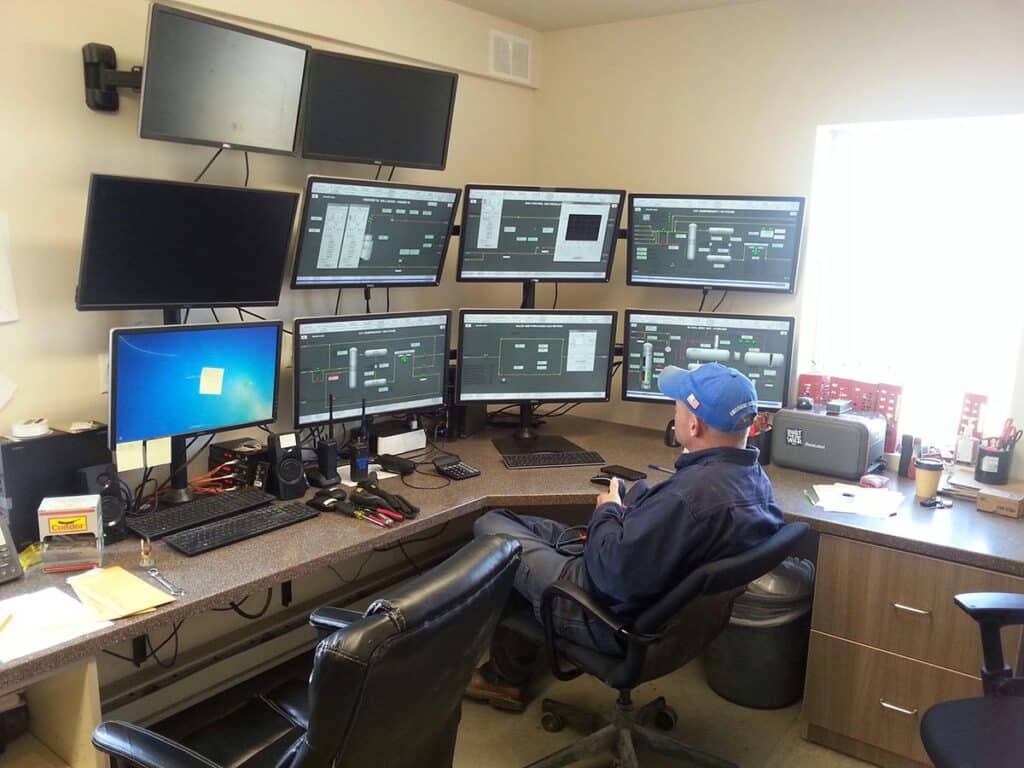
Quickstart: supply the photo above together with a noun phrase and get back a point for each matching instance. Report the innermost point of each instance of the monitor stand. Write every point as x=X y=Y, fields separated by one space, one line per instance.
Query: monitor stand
x=179 y=492
x=526 y=439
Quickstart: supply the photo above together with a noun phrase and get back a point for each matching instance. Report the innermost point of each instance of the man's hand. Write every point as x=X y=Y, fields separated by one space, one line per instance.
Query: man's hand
x=611 y=495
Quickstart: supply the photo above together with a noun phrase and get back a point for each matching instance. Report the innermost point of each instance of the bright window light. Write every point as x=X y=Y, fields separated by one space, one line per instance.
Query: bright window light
x=915 y=260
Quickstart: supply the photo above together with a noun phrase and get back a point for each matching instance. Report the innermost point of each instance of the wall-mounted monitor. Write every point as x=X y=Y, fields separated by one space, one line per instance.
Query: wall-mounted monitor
x=356 y=233
x=704 y=241
x=208 y=82
x=155 y=244
x=371 y=111
x=536 y=233
x=760 y=347
x=396 y=362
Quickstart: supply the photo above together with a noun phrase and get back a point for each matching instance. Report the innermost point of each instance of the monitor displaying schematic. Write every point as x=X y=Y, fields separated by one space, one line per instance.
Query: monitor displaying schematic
x=744 y=243
x=531 y=233
x=396 y=362
x=760 y=347
x=543 y=355
x=356 y=232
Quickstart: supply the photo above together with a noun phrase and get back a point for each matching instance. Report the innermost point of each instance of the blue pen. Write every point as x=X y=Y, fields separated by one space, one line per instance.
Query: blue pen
x=661 y=469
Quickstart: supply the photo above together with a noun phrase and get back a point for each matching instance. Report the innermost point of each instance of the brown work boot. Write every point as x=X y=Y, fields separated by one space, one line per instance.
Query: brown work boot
x=485 y=687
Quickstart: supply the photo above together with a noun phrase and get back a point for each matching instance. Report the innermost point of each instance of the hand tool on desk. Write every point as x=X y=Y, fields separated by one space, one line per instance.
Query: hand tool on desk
x=154 y=573
x=349 y=509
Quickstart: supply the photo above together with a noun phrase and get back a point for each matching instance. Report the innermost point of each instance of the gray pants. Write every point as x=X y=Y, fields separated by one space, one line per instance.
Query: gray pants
x=542 y=565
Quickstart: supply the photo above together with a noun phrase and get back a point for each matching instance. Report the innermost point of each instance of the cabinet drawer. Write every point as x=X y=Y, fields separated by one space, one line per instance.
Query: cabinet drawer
x=904 y=603
x=876 y=697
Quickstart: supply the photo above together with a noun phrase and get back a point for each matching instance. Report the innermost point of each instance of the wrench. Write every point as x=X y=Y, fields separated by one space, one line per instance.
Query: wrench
x=155 y=575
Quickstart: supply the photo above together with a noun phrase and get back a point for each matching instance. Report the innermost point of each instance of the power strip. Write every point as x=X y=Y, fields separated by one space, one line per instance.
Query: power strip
x=403 y=442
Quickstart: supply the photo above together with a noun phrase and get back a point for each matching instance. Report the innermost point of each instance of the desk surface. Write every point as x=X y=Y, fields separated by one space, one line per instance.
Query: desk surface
x=960 y=534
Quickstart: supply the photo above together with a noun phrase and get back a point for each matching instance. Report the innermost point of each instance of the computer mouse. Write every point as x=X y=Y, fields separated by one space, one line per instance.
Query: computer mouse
x=336 y=492
x=804 y=404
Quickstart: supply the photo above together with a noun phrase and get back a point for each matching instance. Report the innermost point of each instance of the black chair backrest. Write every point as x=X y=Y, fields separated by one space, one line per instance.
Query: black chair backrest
x=387 y=690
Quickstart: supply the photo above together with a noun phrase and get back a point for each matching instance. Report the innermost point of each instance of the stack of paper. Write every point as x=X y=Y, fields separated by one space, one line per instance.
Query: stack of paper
x=844 y=497
x=113 y=593
x=38 y=620
x=961 y=485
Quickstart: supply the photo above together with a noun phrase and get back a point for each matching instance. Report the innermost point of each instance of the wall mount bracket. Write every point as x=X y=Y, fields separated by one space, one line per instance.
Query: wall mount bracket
x=102 y=78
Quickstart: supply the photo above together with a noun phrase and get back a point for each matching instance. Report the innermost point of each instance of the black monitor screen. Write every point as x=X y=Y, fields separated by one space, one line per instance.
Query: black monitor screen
x=530 y=233
x=371 y=111
x=510 y=356
x=150 y=243
x=206 y=82
x=368 y=233
x=745 y=243
x=395 y=362
x=759 y=347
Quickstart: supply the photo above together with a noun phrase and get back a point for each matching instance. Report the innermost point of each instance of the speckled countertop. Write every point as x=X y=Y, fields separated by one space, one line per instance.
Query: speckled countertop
x=961 y=534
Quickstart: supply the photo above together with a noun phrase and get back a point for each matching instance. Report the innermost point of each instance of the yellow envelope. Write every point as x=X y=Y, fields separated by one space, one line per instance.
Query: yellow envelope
x=113 y=593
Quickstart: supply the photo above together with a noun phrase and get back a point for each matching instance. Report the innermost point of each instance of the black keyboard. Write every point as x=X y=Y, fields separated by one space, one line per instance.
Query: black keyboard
x=156 y=525
x=195 y=541
x=566 y=459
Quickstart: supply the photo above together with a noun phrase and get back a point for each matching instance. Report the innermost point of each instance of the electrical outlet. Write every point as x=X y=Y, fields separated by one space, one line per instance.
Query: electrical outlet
x=286 y=349
x=103 y=364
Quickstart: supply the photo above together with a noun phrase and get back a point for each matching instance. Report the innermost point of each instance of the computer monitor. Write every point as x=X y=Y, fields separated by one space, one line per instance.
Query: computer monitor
x=705 y=241
x=371 y=111
x=396 y=362
x=761 y=347
x=208 y=82
x=372 y=233
x=172 y=381
x=153 y=244
x=509 y=356
x=534 y=233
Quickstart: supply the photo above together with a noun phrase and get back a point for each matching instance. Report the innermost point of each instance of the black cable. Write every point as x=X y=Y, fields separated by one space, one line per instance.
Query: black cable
x=241 y=317
x=703 y=297
x=259 y=317
x=214 y=312
x=366 y=296
x=409 y=560
x=420 y=540
x=207 y=166
x=253 y=616
x=387 y=294
x=724 y=294
x=152 y=651
x=184 y=320
x=354 y=579
x=554 y=303
x=392 y=173
x=337 y=303
x=379 y=169
x=407 y=484
x=246 y=182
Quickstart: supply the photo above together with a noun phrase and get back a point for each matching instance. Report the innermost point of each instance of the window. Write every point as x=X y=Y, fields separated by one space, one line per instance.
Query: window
x=914 y=263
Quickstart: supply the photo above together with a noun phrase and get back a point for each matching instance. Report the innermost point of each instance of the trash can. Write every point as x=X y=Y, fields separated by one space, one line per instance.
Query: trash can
x=759 y=660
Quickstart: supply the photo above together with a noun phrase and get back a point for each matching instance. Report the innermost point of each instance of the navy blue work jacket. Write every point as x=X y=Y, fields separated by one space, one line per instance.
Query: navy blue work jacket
x=719 y=503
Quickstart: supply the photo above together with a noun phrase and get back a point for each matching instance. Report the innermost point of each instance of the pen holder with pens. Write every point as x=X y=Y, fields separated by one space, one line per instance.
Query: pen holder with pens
x=763 y=442
x=993 y=465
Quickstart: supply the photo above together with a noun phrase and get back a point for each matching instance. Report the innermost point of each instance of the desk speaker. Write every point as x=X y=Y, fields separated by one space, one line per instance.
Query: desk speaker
x=103 y=479
x=287 y=473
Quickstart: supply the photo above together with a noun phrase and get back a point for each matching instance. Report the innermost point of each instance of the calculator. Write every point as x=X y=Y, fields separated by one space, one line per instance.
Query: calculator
x=455 y=468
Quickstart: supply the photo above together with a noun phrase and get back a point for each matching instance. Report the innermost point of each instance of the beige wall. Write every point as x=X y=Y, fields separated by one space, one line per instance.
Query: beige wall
x=727 y=101
x=50 y=142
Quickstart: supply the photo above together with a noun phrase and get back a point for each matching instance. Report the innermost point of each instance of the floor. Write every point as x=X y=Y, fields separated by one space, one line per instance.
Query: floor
x=750 y=738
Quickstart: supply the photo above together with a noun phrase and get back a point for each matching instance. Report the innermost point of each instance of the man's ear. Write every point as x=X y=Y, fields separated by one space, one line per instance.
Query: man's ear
x=697 y=427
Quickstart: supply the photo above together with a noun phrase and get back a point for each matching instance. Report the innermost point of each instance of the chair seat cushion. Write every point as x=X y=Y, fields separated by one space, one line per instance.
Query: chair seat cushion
x=253 y=736
x=980 y=733
x=292 y=700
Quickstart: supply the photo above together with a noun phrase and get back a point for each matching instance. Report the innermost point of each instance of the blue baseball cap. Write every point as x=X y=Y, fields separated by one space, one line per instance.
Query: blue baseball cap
x=721 y=397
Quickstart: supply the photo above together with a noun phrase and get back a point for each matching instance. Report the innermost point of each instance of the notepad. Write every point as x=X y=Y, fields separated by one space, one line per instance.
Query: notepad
x=857 y=500
x=39 y=620
x=113 y=593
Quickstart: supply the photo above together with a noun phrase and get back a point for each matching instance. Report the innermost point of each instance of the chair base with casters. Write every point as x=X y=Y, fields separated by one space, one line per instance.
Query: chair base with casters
x=627 y=729
x=661 y=640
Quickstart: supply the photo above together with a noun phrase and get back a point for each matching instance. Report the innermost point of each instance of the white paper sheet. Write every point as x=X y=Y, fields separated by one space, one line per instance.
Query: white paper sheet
x=42 y=619
x=870 y=502
x=8 y=303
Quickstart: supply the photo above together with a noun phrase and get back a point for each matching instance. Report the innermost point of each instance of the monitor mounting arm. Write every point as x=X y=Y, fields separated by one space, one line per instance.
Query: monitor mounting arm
x=102 y=78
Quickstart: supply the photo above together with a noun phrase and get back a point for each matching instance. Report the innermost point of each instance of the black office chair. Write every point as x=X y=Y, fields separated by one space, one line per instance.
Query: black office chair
x=986 y=732
x=386 y=687
x=662 y=639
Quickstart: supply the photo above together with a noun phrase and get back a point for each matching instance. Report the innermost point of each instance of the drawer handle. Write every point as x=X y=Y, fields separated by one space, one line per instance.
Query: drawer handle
x=893 y=708
x=911 y=609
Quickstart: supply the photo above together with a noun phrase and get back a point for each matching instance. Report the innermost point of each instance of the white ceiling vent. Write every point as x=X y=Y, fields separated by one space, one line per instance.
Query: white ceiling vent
x=510 y=57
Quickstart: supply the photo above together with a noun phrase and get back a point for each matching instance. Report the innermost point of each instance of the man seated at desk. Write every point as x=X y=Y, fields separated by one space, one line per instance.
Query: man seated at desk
x=718 y=503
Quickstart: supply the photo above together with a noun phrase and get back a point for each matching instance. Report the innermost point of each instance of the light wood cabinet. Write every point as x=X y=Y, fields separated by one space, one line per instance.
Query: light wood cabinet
x=888 y=642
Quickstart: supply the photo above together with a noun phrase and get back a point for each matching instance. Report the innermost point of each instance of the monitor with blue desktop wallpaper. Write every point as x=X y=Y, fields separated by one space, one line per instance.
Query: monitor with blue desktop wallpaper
x=186 y=380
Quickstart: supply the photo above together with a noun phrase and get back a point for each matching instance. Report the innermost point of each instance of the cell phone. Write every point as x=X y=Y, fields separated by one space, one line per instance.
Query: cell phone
x=617 y=470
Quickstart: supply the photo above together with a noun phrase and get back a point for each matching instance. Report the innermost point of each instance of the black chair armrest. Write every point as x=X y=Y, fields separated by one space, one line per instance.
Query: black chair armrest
x=993 y=611
x=144 y=748
x=566 y=590
x=328 y=620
